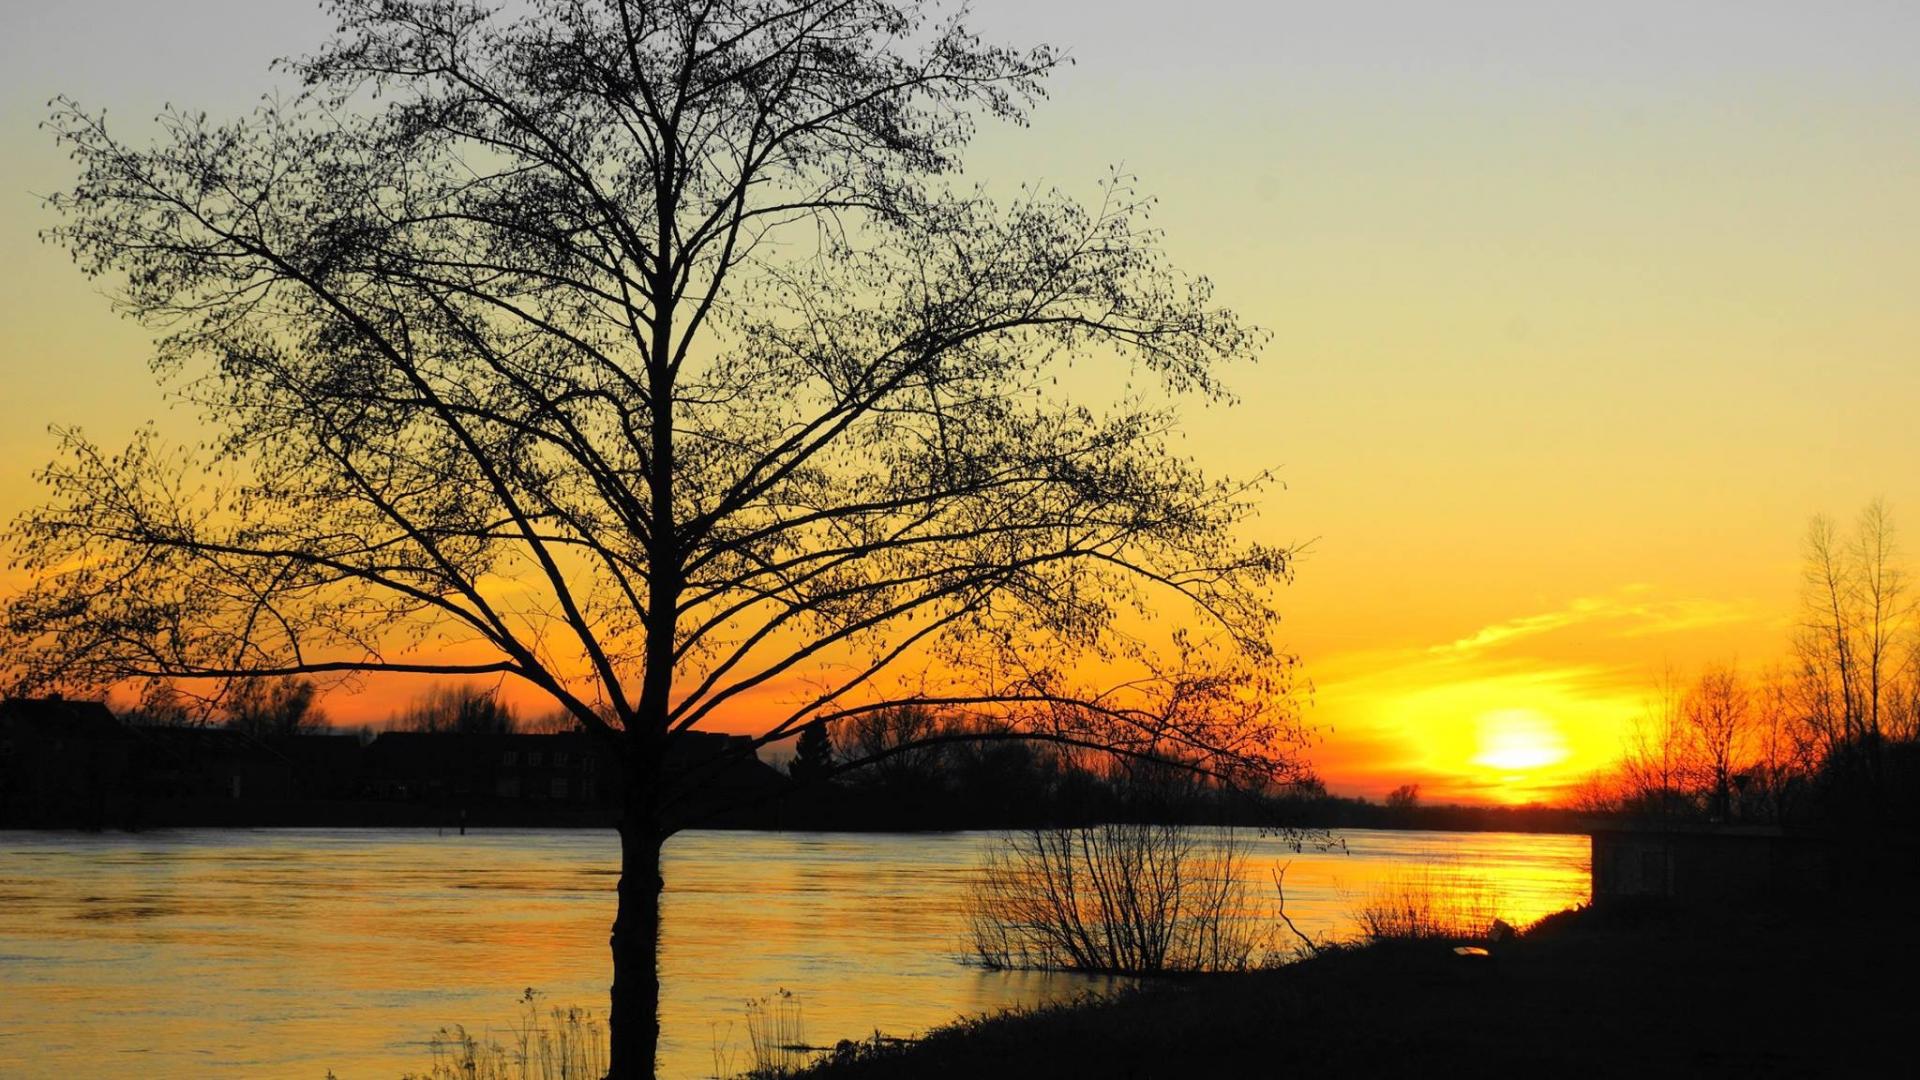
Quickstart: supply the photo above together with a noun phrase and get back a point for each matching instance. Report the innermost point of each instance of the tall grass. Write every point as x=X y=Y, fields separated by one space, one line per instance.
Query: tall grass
x=776 y=1041
x=776 y=1034
x=554 y=1044
x=571 y=1044
x=1428 y=904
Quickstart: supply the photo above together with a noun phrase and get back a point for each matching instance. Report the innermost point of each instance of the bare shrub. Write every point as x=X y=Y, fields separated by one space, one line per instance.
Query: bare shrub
x=1120 y=898
x=1426 y=904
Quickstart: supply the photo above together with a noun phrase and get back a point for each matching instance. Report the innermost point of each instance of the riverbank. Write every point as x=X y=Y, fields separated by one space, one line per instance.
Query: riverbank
x=1584 y=993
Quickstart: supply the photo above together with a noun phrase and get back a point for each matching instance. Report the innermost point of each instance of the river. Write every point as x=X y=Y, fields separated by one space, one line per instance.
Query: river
x=291 y=952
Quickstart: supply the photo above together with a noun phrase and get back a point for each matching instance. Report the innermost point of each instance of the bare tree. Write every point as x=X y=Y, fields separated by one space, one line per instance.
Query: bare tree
x=552 y=722
x=897 y=743
x=1884 y=612
x=1829 y=669
x=1653 y=768
x=274 y=707
x=1784 y=745
x=1715 y=746
x=1600 y=791
x=160 y=704
x=1857 y=638
x=1716 y=713
x=648 y=354
x=462 y=709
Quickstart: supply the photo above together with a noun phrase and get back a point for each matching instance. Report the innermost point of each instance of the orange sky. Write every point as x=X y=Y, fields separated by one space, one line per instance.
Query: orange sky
x=1579 y=312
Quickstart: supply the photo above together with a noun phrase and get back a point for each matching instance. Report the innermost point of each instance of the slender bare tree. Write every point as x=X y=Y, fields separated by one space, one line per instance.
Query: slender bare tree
x=1653 y=764
x=649 y=354
x=1884 y=611
x=1785 y=747
x=1829 y=669
x=1717 y=715
x=1857 y=639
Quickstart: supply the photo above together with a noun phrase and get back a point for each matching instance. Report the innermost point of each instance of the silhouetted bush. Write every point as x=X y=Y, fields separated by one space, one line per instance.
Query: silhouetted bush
x=1119 y=898
x=1426 y=906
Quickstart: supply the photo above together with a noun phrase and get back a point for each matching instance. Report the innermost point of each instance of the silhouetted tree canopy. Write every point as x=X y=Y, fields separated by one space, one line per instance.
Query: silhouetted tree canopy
x=273 y=707
x=465 y=710
x=652 y=355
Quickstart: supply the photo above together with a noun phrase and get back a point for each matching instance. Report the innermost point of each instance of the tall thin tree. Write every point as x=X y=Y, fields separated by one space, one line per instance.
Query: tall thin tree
x=1858 y=632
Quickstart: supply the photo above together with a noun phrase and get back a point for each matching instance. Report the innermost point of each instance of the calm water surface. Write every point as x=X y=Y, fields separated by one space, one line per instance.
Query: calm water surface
x=285 y=953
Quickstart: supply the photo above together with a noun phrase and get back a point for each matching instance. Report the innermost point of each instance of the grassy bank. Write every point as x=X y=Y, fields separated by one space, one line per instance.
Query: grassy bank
x=1663 y=993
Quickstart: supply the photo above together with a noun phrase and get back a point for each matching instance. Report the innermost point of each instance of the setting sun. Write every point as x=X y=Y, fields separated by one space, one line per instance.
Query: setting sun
x=1519 y=740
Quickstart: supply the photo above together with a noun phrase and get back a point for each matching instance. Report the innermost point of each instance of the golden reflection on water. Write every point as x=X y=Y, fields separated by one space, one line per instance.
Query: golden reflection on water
x=285 y=953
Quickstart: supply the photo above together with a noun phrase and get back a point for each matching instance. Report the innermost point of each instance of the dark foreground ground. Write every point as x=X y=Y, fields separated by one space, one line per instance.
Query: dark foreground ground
x=1833 y=991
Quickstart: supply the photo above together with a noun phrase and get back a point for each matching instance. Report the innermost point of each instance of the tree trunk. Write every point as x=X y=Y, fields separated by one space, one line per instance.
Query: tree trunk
x=634 y=1021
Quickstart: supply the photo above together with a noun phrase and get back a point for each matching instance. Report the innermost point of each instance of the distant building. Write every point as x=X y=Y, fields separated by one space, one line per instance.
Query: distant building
x=565 y=769
x=324 y=766
x=205 y=764
x=443 y=766
x=1707 y=864
x=63 y=764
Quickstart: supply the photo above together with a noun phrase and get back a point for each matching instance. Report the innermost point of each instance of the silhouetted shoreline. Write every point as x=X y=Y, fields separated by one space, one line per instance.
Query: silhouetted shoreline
x=1629 y=991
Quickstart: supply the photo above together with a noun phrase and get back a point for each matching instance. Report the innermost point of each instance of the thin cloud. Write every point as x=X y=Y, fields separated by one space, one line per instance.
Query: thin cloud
x=1582 y=610
x=1632 y=618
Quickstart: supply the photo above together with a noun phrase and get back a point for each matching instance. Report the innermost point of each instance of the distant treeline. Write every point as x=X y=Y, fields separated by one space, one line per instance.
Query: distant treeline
x=278 y=708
